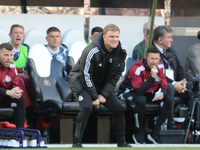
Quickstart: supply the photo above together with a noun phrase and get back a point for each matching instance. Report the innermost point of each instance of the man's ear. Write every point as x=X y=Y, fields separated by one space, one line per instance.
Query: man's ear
x=160 y=39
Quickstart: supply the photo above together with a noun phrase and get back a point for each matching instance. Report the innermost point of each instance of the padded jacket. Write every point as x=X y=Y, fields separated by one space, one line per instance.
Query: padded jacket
x=8 y=79
x=139 y=80
x=90 y=73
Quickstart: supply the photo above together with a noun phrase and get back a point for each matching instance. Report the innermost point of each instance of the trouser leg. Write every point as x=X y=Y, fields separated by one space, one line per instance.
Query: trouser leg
x=85 y=103
x=171 y=93
x=115 y=106
x=165 y=108
x=19 y=109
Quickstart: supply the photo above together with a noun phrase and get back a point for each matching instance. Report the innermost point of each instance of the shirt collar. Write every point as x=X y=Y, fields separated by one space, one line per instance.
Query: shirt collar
x=159 y=48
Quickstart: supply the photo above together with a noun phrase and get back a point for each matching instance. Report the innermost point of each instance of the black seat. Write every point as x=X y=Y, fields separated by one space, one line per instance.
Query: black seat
x=50 y=88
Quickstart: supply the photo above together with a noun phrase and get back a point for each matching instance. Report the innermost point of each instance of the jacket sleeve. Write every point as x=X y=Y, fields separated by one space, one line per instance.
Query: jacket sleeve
x=163 y=81
x=140 y=87
x=3 y=92
x=180 y=71
x=110 y=86
x=86 y=72
x=15 y=80
x=193 y=59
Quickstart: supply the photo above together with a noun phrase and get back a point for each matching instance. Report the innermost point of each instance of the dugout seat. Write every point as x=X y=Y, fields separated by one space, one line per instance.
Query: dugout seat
x=50 y=88
x=34 y=36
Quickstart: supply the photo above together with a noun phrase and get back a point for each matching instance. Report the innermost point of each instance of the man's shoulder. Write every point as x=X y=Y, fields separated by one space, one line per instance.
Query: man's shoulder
x=137 y=67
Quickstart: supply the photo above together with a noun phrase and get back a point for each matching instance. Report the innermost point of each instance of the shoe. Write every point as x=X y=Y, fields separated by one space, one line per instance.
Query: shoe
x=172 y=127
x=125 y=144
x=153 y=138
x=77 y=145
x=25 y=124
x=138 y=138
x=7 y=124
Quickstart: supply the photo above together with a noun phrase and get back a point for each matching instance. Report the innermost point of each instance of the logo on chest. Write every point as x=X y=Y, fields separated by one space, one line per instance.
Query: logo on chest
x=7 y=79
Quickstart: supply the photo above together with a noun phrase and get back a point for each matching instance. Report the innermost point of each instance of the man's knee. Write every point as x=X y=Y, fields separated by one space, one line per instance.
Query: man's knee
x=168 y=101
x=87 y=109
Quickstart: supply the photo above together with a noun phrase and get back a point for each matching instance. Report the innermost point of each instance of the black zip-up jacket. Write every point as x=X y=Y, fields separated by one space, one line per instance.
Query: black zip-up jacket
x=91 y=71
x=179 y=73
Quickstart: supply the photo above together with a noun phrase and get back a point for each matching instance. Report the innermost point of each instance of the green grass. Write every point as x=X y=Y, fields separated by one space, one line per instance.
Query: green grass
x=133 y=148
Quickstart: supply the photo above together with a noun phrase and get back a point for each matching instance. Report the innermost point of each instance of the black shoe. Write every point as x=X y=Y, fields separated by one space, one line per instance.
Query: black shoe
x=125 y=144
x=153 y=138
x=138 y=138
x=77 y=145
x=172 y=127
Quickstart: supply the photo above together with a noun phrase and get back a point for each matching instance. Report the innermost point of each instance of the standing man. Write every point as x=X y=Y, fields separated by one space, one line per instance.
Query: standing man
x=57 y=51
x=10 y=93
x=175 y=74
x=93 y=80
x=144 y=83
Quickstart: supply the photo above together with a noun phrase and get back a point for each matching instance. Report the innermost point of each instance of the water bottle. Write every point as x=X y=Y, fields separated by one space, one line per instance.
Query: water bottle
x=46 y=135
x=164 y=125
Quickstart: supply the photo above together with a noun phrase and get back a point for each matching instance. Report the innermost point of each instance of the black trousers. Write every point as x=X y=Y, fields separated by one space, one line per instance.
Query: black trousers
x=19 y=109
x=140 y=102
x=112 y=104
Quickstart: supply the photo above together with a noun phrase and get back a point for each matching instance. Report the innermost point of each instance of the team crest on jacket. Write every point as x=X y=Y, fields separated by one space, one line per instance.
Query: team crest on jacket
x=47 y=82
x=80 y=98
x=7 y=79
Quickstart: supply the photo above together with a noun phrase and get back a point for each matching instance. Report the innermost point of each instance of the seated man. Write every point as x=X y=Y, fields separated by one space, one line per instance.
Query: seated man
x=10 y=93
x=144 y=83
x=20 y=54
x=58 y=52
x=192 y=64
x=162 y=39
x=94 y=31
x=139 y=49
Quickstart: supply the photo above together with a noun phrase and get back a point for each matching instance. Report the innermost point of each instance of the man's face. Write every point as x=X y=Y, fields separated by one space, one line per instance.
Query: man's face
x=111 y=39
x=17 y=35
x=166 y=42
x=53 y=39
x=153 y=59
x=6 y=57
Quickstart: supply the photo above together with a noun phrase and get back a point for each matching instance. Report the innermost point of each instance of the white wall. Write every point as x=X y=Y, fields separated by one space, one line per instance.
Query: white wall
x=130 y=27
x=42 y=22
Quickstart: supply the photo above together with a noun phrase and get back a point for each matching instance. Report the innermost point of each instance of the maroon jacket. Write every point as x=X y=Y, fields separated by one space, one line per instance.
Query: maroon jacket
x=8 y=79
x=139 y=79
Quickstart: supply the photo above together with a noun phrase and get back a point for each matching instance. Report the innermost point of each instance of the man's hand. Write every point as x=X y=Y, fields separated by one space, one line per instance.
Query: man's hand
x=183 y=82
x=102 y=99
x=15 y=93
x=23 y=75
x=96 y=102
x=180 y=86
x=160 y=96
x=154 y=72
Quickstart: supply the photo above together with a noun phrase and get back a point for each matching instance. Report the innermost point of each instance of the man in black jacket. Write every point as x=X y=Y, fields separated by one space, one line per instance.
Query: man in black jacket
x=175 y=74
x=93 y=80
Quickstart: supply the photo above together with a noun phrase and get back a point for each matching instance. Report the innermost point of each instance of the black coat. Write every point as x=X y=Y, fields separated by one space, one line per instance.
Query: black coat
x=90 y=71
x=179 y=73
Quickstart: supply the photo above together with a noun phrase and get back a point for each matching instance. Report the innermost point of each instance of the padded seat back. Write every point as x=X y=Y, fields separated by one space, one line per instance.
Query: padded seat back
x=34 y=36
x=76 y=50
x=46 y=74
x=71 y=36
x=4 y=38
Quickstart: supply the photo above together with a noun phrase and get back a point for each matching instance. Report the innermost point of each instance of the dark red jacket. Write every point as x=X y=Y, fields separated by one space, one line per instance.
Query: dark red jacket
x=8 y=79
x=139 y=79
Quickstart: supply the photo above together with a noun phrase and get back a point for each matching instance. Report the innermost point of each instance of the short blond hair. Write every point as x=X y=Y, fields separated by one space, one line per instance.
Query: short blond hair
x=16 y=25
x=110 y=27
